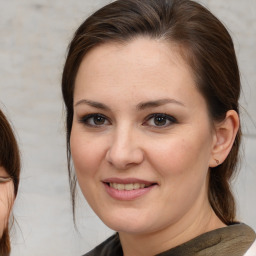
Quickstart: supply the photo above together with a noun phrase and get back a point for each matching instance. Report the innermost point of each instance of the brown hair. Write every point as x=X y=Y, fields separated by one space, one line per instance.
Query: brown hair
x=207 y=47
x=10 y=161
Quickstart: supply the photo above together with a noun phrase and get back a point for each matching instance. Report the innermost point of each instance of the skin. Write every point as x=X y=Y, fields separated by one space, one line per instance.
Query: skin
x=118 y=81
x=6 y=200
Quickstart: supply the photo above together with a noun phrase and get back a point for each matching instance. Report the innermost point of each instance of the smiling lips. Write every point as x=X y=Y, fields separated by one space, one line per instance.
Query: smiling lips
x=131 y=186
x=127 y=189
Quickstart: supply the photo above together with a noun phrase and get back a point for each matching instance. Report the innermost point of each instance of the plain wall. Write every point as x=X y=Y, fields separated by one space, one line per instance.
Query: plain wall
x=34 y=36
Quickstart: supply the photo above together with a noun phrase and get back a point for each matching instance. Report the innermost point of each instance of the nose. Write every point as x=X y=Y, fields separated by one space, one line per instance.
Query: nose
x=125 y=151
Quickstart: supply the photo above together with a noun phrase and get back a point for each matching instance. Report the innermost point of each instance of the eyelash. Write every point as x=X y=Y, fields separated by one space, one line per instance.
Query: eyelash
x=86 y=119
x=170 y=120
x=165 y=117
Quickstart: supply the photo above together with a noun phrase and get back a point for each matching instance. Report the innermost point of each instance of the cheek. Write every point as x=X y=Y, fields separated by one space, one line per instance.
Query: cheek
x=185 y=155
x=86 y=153
x=183 y=167
x=172 y=156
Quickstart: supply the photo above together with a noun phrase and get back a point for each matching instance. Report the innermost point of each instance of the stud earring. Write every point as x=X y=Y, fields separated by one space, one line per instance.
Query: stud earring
x=217 y=161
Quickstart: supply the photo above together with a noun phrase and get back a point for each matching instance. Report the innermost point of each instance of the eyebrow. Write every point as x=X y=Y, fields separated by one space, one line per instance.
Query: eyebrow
x=93 y=104
x=158 y=103
x=140 y=106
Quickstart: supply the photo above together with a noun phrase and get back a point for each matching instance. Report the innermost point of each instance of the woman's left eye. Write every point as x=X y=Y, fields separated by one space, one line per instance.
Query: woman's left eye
x=159 y=120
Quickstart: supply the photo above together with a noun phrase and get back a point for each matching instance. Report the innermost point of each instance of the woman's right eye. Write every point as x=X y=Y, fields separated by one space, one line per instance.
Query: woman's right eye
x=94 y=120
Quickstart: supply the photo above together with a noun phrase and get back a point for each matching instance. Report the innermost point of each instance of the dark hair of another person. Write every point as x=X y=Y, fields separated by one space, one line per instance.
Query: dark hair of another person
x=204 y=43
x=10 y=161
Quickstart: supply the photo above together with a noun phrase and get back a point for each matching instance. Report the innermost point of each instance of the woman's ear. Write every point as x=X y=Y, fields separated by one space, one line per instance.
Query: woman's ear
x=225 y=134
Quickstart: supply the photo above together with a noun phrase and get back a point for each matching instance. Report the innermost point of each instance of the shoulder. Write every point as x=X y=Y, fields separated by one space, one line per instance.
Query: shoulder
x=110 y=247
x=236 y=239
x=233 y=240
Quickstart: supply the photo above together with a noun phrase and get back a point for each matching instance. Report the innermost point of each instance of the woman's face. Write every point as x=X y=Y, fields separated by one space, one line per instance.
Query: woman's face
x=141 y=139
x=6 y=199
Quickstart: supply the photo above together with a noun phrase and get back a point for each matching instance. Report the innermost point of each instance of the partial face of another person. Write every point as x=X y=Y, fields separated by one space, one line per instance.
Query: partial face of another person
x=141 y=138
x=6 y=199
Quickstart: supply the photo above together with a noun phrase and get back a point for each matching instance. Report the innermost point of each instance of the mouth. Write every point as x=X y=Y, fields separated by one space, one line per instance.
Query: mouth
x=129 y=186
x=127 y=189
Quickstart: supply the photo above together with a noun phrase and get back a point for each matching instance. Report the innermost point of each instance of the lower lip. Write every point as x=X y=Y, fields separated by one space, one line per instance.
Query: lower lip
x=127 y=195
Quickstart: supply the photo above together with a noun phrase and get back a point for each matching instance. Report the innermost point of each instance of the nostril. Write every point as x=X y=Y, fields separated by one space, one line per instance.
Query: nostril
x=124 y=157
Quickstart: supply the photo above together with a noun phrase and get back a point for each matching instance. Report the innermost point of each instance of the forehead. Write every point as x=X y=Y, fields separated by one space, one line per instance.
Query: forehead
x=145 y=67
x=141 y=51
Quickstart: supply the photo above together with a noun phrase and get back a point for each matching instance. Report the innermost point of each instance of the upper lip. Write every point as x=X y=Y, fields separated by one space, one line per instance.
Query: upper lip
x=128 y=181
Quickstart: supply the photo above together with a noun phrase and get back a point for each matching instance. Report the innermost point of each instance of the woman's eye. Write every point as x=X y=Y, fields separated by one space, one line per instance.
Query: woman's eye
x=94 y=120
x=160 y=120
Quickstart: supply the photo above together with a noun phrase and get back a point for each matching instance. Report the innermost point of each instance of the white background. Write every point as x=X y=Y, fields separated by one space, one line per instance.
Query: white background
x=34 y=36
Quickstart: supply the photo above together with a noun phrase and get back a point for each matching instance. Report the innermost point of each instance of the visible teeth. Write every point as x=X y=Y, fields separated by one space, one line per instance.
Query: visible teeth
x=120 y=186
x=137 y=185
x=130 y=186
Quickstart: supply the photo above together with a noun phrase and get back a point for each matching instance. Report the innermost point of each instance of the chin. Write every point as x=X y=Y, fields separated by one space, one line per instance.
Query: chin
x=133 y=224
x=126 y=228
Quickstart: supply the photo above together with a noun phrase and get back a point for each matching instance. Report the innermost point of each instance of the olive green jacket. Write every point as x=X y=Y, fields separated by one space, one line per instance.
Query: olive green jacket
x=233 y=240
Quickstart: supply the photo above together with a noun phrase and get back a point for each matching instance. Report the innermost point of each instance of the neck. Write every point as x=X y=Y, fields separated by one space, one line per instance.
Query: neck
x=187 y=228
